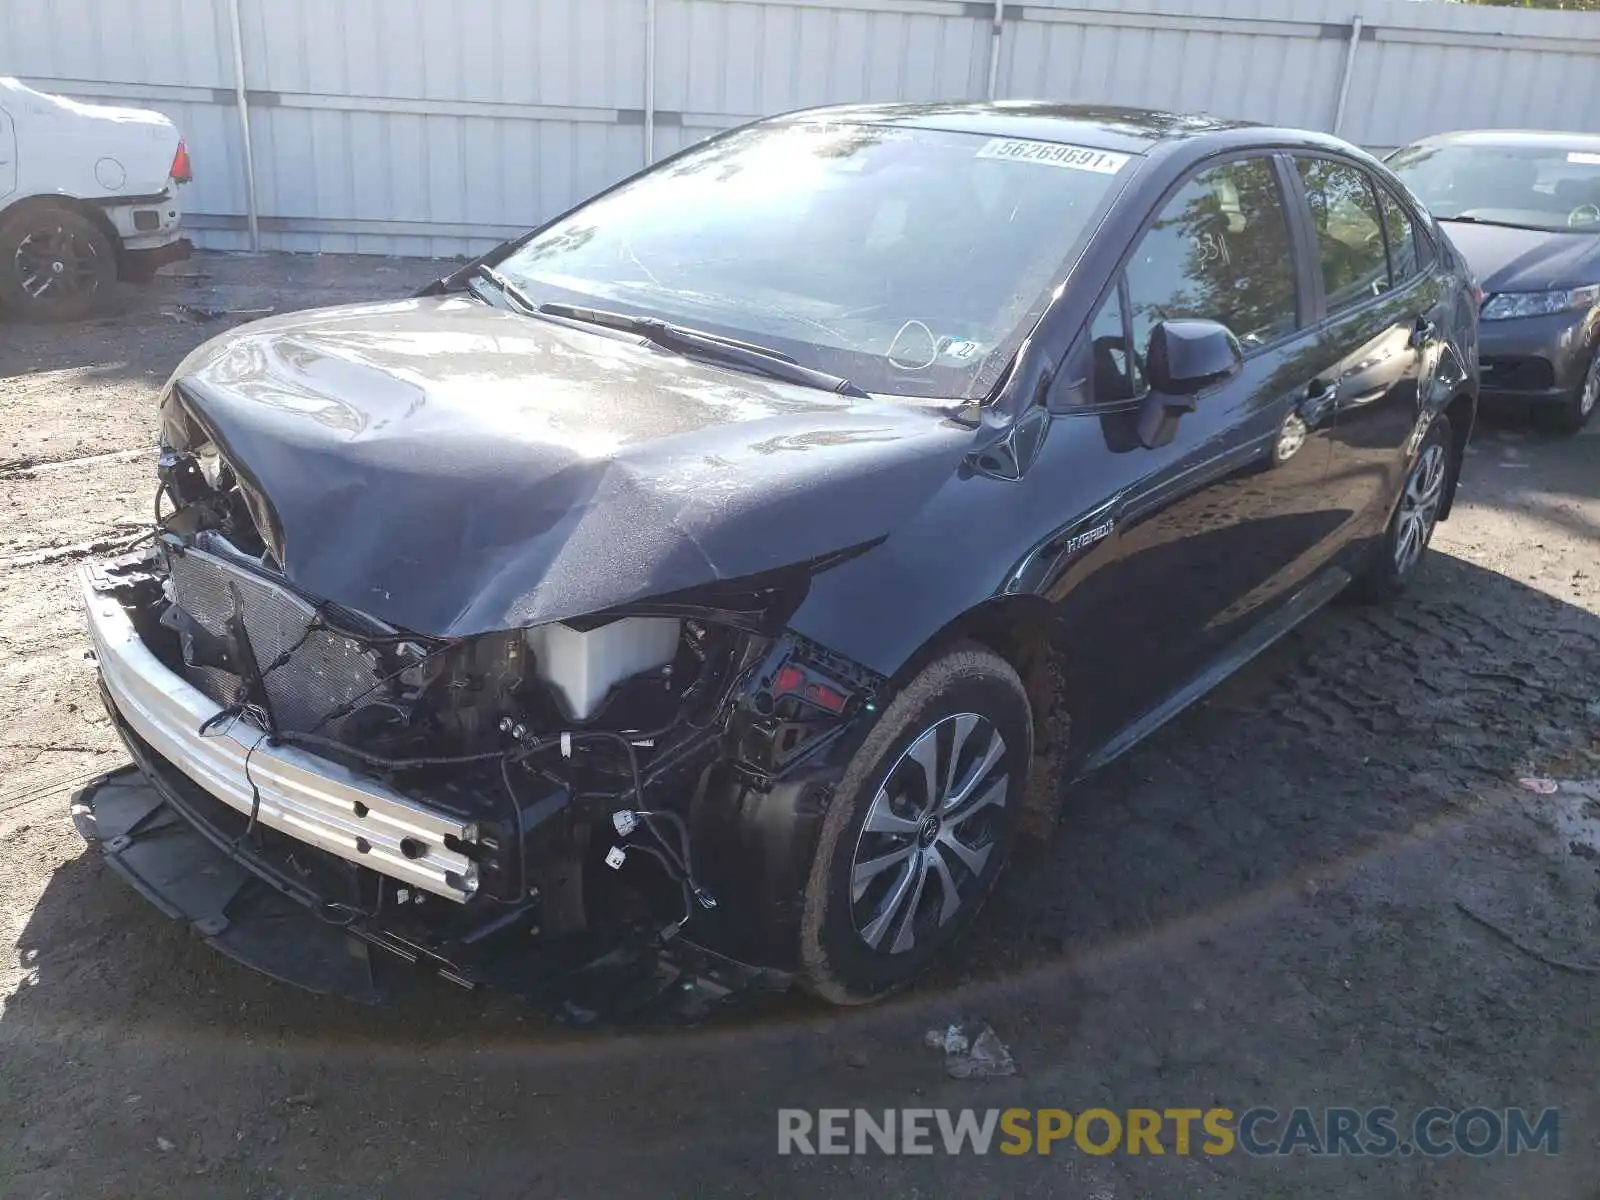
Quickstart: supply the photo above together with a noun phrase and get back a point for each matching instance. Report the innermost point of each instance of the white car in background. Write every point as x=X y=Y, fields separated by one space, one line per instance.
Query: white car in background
x=88 y=195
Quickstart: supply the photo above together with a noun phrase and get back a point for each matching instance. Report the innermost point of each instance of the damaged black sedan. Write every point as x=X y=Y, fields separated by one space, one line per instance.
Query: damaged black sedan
x=748 y=555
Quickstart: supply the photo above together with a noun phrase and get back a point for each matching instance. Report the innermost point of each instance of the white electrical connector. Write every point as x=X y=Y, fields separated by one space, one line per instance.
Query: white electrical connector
x=624 y=821
x=615 y=857
x=566 y=745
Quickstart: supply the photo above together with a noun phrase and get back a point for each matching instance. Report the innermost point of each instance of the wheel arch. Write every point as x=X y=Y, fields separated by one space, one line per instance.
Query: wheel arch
x=758 y=844
x=1022 y=630
x=49 y=200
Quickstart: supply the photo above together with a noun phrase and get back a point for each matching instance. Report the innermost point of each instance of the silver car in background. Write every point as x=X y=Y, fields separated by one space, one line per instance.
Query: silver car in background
x=1524 y=210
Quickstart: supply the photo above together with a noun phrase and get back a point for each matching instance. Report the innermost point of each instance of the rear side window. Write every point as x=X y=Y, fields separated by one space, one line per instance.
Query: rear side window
x=1407 y=254
x=1218 y=250
x=1349 y=231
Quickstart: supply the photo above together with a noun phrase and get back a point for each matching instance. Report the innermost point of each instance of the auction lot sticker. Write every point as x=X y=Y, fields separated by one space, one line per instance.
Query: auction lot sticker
x=1055 y=154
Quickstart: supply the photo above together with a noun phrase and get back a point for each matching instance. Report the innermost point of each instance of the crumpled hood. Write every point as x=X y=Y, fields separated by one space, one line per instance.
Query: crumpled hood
x=1526 y=260
x=453 y=468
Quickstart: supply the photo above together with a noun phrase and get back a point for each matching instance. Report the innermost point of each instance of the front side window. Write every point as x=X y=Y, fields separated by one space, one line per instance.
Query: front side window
x=910 y=261
x=1348 y=229
x=1219 y=250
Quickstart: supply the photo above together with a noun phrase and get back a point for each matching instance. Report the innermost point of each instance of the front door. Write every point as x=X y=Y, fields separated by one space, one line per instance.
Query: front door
x=1216 y=529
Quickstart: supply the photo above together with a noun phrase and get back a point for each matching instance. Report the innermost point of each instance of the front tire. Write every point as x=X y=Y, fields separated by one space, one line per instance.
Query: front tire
x=1573 y=414
x=919 y=828
x=55 y=264
x=1415 y=518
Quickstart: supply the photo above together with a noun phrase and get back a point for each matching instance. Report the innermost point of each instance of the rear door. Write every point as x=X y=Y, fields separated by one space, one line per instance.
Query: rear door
x=1215 y=529
x=1380 y=302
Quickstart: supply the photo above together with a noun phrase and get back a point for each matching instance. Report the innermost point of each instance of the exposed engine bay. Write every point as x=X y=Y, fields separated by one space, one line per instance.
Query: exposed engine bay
x=598 y=769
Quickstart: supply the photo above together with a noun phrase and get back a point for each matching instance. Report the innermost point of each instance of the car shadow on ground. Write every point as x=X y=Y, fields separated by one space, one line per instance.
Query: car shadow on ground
x=1363 y=725
x=34 y=348
x=1502 y=472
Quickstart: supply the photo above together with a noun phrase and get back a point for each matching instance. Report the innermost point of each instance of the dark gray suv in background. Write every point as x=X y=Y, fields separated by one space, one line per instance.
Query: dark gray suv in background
x=1524 y=208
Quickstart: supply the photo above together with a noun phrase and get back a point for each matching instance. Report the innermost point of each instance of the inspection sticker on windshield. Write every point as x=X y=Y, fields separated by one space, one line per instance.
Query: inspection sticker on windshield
x=1587 y=157
x=1055 y=154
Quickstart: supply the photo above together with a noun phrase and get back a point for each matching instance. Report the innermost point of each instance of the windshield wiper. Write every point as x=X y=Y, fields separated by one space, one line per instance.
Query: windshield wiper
x=519 y=299
x=699 y=344
x=1470 y=220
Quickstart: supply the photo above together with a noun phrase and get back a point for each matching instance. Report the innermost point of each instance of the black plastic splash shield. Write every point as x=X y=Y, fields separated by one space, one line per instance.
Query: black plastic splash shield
x=189 y=878
x=586 y=981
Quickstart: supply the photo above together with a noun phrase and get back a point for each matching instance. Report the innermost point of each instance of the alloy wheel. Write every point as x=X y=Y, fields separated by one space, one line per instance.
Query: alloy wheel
x=54 y=264
x=1419 y=507
x=1591 y=389
x=929 y=833
x=1291 y=437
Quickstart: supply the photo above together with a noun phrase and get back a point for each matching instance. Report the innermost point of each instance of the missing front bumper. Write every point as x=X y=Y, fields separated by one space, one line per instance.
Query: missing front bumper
x=142 y=821
x=194 y=851
x=305 y=797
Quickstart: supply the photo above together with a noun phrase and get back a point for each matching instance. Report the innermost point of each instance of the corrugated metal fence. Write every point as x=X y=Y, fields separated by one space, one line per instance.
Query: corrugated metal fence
x=442 y=126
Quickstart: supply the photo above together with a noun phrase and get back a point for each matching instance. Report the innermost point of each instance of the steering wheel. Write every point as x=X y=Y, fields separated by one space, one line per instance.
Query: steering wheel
x=1584 y=214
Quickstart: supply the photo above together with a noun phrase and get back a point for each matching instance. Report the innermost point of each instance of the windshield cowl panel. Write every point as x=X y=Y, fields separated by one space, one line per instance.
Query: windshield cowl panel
x=910 y=262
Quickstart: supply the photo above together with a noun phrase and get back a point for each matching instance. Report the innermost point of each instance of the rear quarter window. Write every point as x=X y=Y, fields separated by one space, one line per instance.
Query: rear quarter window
x=1408 y=251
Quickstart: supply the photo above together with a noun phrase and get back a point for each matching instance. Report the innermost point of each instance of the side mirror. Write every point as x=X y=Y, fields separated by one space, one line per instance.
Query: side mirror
x=1184 y=359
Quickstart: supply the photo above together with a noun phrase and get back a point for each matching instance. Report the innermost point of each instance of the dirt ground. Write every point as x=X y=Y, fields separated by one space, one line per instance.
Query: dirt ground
x=1323 y=887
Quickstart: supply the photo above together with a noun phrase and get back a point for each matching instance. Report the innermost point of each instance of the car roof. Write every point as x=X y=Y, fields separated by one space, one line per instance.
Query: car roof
x=1554 y=138
x=1102 y=126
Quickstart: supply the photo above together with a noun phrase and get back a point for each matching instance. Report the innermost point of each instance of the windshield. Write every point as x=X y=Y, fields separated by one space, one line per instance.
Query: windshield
x=910 y=262
x=1548 y=187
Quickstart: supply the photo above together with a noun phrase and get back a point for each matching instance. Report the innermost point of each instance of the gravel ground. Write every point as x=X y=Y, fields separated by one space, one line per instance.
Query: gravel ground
x=1323 y=887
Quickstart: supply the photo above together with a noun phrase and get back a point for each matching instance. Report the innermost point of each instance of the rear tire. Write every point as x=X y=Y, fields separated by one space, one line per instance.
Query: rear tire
x=919 y=828
x=1573 y=414
x=1405 y=541
x=55 y=264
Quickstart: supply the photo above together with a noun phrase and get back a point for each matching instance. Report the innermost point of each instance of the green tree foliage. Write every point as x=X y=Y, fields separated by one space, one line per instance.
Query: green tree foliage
x=1551 y=5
